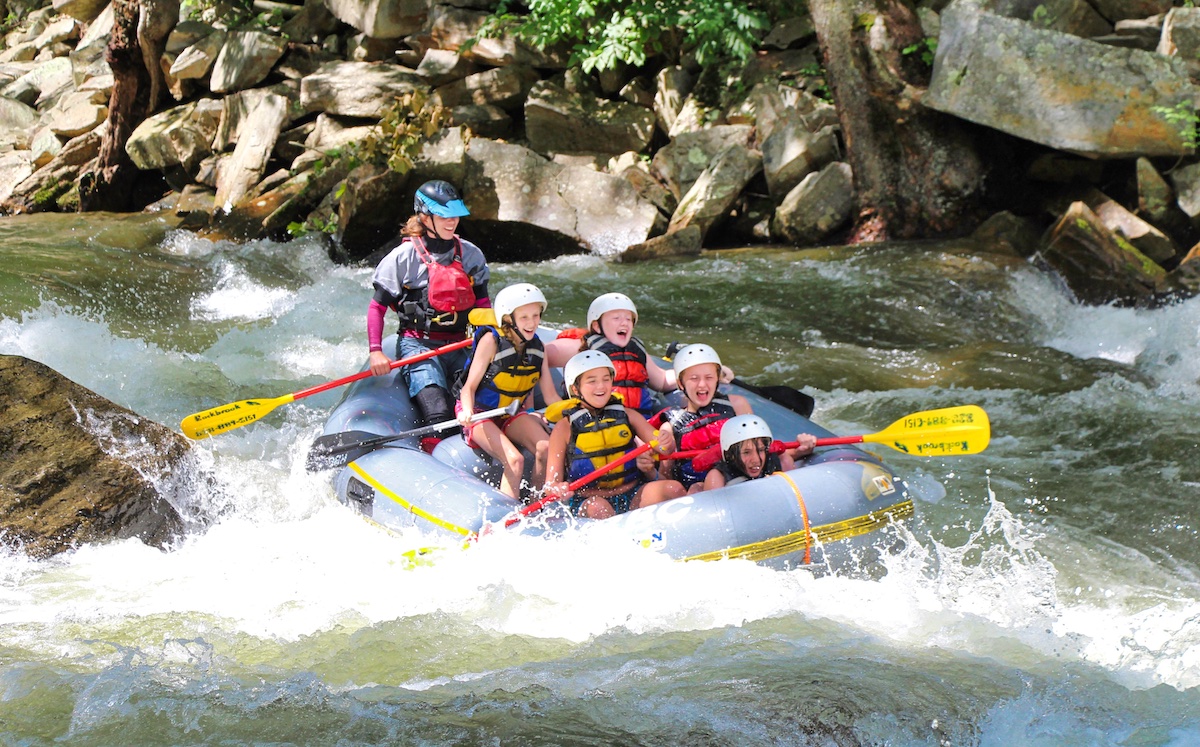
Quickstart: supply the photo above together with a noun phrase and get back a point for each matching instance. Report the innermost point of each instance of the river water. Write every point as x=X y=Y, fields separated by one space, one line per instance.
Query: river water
x=1047 y=592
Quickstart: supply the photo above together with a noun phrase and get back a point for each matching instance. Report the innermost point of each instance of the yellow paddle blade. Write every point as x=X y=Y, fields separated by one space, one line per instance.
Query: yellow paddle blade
x=482 y=318
x=230 y=416
x=944 y=432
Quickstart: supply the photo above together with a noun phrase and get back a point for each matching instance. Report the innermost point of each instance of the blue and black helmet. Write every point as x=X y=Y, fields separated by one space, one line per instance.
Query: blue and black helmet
x=438 y=197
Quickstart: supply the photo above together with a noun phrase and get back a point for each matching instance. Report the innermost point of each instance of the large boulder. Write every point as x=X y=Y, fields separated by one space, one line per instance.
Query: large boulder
x=179 y=136
x=503 y=87
x=381 y=19
x=240 y=173
x=245 y=59
x=511 y=184
x=560 y=121
x=460 y=30
x=791 y=153
x=1056 y=89
x=1121 y=10
x=76 y=468
x=819 y=205
x=681 y=162
x=357 y=89
x=712 y=195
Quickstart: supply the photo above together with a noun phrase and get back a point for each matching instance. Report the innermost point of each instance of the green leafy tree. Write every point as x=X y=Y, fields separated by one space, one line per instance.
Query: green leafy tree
x=602 y=34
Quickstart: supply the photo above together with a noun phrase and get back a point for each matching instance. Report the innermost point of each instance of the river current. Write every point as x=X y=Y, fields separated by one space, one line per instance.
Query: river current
x=1047 y=592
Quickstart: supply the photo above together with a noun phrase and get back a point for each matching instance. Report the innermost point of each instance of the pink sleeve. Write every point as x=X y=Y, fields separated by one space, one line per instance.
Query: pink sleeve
x=375 y=314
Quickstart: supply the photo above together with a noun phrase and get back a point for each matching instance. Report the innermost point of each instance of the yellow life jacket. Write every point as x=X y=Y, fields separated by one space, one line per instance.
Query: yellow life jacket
x=598 y=438
x=510 y=376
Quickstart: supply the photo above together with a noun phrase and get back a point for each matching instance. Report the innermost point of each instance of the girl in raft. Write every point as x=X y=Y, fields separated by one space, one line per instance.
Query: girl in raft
x=506 y=363
x=611 y=319
x=697 y=425
x=746 y=452
x=596 y=431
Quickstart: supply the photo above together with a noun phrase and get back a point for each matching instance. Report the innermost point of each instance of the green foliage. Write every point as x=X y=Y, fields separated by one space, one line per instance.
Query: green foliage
x=603 y=34
x=816 y=81
x=235 y=14
x=392 y=144
x=10 y=22
x=1183 y=115
x=402 y=130
x=1042 y=17
x=326 y=224
x=926 y=49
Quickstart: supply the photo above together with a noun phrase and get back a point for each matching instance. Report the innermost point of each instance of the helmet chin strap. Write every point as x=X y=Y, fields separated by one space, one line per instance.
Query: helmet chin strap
x=432 y=229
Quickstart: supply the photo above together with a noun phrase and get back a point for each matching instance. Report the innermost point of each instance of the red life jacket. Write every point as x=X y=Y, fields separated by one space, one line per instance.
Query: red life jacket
x=450 y=287
x=630 y=364
x=696 y=430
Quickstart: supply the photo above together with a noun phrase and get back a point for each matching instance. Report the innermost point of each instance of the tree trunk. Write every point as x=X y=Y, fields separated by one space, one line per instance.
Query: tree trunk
x=916 y=173
x=110 y=185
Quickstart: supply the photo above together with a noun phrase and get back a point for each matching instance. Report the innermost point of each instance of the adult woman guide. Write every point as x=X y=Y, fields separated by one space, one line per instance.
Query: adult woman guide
x=431 y=280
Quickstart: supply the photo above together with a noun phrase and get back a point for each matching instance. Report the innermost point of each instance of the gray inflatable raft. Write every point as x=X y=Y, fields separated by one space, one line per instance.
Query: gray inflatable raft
x=827 y=512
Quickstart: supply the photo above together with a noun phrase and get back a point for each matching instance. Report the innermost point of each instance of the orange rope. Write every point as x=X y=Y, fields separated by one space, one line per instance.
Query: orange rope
x=804 y=514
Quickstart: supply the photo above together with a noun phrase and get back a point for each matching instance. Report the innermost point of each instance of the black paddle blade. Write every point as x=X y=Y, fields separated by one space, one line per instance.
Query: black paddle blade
x=337 y=449
x=793 y=399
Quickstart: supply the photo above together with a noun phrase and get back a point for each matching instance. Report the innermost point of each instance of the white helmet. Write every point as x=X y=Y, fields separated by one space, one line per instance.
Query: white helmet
x=694 y=355
x=581 y=363
x=609 y=302
x=741 y=428
x=513 y=297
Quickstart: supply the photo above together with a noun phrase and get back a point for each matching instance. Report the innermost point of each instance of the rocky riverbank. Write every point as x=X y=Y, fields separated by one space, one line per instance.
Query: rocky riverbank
x=1083 y=111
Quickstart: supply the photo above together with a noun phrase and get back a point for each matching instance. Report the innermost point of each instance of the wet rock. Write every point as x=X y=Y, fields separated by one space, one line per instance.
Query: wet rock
x=1156 y=203
x=1098 y=265
x=686 y=242
x=1006 y=232
x=74 y=466
x=1187 y=274
x=48 y=184
x=1148 y=239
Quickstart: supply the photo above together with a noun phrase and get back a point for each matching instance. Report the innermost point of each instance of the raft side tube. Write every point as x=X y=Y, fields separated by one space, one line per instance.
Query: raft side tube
x=403 y=487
